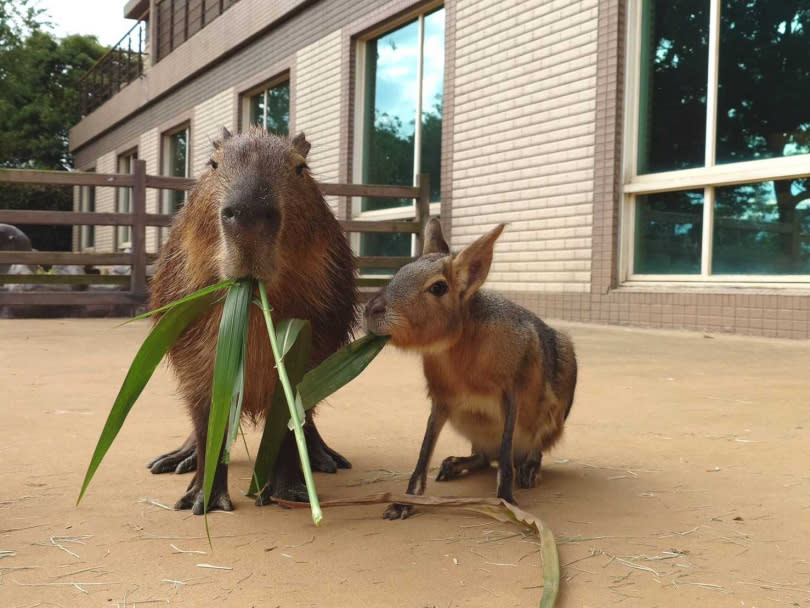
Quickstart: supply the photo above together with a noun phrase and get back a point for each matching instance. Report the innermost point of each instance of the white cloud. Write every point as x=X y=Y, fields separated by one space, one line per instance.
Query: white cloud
x=102 y=18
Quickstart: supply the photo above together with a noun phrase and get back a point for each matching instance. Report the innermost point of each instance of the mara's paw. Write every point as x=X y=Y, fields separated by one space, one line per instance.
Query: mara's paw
x=528 y=474
x=451 y=469
x=398 y=511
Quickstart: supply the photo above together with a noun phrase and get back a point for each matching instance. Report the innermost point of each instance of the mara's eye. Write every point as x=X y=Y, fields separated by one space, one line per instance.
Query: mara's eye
x=438 y=289
x=213 y=164
x=300 y=168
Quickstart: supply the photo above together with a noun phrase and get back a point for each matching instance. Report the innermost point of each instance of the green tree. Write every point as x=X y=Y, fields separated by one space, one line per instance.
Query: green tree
x=39 y=102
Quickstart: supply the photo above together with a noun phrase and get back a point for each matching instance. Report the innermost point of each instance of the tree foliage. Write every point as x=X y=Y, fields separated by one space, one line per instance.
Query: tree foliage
x=39 y=103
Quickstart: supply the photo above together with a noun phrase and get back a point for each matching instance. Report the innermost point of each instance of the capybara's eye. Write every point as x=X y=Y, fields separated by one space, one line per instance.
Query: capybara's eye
x=300 y=168
x=438 y=289
x=214 y=164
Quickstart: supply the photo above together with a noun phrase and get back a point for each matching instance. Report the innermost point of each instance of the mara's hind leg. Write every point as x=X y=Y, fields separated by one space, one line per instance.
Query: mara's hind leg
x=454 y=467
x=528 y=469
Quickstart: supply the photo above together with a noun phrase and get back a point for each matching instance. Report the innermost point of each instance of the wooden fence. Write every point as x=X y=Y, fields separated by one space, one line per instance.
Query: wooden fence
x=139 y=219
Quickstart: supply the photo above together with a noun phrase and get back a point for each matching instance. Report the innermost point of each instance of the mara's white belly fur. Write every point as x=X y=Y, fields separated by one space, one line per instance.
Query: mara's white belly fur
x=480 y=419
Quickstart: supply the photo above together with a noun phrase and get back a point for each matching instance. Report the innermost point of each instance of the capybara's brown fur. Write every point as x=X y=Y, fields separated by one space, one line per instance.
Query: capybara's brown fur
x=255 y=212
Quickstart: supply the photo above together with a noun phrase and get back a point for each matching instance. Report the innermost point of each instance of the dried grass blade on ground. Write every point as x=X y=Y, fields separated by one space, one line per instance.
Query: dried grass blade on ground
x=492 y=507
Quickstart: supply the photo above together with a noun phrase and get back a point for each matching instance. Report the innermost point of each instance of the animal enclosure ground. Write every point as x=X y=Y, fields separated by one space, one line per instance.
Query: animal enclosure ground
x=682 y=480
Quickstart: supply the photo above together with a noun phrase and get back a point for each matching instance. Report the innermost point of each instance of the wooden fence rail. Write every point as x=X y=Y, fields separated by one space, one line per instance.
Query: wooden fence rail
x=139 y=219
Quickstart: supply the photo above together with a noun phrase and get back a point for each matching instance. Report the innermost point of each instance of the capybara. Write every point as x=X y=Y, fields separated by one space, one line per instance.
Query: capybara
x=256 y=212
x=12 y=239
x=504 y=379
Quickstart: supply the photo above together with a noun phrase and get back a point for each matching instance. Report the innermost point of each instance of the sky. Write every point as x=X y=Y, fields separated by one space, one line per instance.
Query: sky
x=397 y=64
x=103 y=18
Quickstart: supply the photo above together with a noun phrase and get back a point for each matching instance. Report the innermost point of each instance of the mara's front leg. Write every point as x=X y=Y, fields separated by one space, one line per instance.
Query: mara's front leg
x=418 y=480
x=505 y=455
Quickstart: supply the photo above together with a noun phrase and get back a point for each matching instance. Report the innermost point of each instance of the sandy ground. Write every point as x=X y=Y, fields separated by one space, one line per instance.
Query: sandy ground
x=682 y=481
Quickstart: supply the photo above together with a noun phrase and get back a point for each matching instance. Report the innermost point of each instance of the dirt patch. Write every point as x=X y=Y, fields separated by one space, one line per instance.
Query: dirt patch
x=682 y=481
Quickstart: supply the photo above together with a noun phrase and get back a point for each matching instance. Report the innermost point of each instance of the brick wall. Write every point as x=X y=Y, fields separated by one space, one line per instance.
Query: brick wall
x=523 y=144
x=317 y=105
x=209 y=118
x=149 y=150
x=105 y=202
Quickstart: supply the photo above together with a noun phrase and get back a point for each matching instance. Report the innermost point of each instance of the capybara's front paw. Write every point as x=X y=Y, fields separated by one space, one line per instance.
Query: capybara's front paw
x=292 y=492
x=194 y=500
x=398 y=511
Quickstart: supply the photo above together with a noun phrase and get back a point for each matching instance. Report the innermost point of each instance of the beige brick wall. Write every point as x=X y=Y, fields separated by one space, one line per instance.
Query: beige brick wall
x=317 y=105
x=149 y=150
x=209 y=118
x=523 y=138
x=105 y=202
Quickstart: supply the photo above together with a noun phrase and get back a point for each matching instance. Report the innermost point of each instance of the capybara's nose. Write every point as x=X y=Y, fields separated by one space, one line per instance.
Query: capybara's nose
x=375 y=306
x=250 y=216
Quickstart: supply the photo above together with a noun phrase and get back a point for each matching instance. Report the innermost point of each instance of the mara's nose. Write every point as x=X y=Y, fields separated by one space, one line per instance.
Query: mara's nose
x=376 y=306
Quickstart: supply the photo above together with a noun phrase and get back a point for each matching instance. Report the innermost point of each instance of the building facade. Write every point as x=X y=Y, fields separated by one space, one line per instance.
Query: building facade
x=650 y=156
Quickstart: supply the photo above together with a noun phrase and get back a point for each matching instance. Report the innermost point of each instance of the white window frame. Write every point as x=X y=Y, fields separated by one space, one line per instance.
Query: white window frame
x=394 y=213
x=707 y=178
x=123 y=234
x=263 y=88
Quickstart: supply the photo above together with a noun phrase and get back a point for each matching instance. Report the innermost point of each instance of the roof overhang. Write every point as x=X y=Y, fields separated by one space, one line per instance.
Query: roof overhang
x=135 y=9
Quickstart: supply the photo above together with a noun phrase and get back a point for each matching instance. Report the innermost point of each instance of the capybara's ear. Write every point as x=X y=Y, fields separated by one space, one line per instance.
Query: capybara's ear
x=301 y=145
x=434 y=238
x=224 y=135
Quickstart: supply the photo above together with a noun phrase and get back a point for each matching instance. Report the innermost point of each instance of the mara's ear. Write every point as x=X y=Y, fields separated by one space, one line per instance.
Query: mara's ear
x=471 y=266
x=224 y=135
x=301 y=145
x=434 y=238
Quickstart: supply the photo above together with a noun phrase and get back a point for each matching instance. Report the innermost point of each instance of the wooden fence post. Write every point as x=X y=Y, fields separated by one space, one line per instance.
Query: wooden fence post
x=422 y=209
x=138 y=283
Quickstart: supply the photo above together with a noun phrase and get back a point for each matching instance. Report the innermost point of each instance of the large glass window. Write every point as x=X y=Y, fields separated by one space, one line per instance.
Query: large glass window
x=403 y=84
x=762 y=228
x=269 y=107
x=669 y=229
x=715 y=191
x=123 y=203
x=175 y=164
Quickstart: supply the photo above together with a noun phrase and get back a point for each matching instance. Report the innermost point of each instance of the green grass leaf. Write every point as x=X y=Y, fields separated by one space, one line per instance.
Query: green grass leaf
x=278 y=414
x=339 y=369
x=296 y=411
x=235 y=413
x=287 y=331
x=154 y=347
x=197 y=294
x=227 y=364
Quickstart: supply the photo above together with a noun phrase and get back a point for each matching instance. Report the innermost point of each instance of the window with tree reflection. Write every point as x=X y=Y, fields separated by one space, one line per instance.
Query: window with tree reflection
x=401 y=130
x=761 y=85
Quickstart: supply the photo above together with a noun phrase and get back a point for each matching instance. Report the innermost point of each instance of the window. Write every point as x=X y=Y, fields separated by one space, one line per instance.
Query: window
x=123 y=203
x=175 y=164
x=717 y=184
x=400 y=89
x=268 y=107
x=87 y=204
